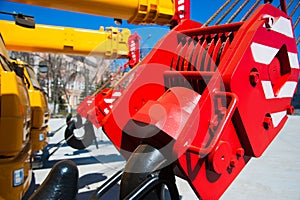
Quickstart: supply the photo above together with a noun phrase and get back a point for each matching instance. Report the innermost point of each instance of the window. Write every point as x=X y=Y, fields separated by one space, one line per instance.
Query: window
x=6 y=64
x=32 y=77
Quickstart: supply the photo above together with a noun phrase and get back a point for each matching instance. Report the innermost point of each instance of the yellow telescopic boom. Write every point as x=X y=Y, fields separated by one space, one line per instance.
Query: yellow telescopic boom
x=135 y=11
x=110 y=43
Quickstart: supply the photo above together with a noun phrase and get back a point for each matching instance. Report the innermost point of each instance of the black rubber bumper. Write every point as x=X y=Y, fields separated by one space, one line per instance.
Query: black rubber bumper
x=61 y=183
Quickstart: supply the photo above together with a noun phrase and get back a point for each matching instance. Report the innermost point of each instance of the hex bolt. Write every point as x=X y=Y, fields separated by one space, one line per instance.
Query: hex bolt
x=213 y=124
x=233 y=163
x=267 y=122
x=269 y=21
x=254 y=78
x=290 y=110
x=240 y=152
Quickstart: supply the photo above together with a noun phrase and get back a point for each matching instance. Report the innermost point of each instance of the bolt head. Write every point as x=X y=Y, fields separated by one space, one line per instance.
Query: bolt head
x=240 y=152
x=233 y=163
x=267 y=122
x=290 y=110
x=254 y=78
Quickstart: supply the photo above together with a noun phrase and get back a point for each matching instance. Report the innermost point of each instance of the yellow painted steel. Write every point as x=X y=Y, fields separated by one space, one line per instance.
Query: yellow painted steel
x=17 y=131
x=15 y=146
x=110 y=43
x=39 y=108
x=7 y=168
x=15 y=114
x=135 y=11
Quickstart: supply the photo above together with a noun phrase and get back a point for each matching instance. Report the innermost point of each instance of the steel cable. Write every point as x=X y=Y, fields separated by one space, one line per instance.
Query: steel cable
x=226 y=12
x=296 y=23
x=295 y=9
x=250 y=10
x=216 y=13
x=289 y=4
x=237 y=11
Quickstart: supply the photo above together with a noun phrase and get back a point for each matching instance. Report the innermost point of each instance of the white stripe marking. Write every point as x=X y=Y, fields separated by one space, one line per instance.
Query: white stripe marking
x=106 y=111
x=286 y=91
x=283 y=26
x=116 y=94
x=268 y=90
x=263 y=54
x=109 y=100
x=293 y=58
x=277 y=117
x=180 y=2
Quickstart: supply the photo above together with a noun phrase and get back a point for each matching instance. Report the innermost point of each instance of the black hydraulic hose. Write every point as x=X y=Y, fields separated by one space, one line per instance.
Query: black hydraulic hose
x=60 y=144
x=55 y=131
x=149 y=184
x=100 y=191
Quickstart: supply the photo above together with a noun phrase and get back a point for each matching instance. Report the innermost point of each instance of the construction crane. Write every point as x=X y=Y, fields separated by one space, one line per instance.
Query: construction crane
x=16 y=130
x=187 y=112
x=167 y=12
x=15 y=146
x=193 y=118
x=37 y=42
x=163 y=14
x=40 y=113
x=110 y=43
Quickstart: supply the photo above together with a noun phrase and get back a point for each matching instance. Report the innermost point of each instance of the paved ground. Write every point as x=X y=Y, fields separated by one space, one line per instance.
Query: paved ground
x=276 y=175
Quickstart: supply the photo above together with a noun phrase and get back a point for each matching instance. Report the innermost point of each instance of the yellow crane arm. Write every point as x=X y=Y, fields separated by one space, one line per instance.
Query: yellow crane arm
x=135 y=11
x=110 y=43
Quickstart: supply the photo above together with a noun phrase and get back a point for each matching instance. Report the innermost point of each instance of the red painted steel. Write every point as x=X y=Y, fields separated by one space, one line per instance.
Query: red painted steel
x=183 y=11
x=97 y=106
x=134 y=49
x=210 y=98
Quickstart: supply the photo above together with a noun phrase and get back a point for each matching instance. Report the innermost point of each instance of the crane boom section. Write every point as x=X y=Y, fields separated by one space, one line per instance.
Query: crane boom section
x=110 y=43
x=134 y=11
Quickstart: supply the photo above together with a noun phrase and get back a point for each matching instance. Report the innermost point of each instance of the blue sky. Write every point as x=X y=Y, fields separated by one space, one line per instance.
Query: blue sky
x=62 y=18
x=200 y=11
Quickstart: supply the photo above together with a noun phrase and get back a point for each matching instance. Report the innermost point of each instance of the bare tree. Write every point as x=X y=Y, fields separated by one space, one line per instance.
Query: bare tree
x=62 y=71
x=55 y=74
x=91 y=74
x=58 y=76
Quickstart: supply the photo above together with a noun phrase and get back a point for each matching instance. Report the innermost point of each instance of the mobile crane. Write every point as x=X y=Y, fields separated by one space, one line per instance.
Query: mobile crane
x=111 y=43
x=67 y=45
x=187 y=112
x=15 y=147
x=39 y=109
x=15 y=124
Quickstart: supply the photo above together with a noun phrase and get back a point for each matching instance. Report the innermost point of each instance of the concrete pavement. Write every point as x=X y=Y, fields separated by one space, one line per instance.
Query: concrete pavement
x=276 y=175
